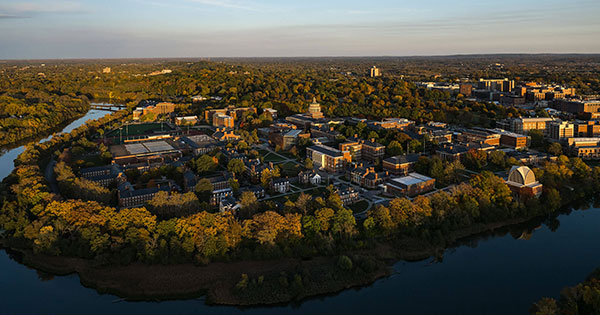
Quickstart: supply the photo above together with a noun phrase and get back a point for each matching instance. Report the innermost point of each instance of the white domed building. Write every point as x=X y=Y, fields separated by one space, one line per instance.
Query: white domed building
x=521 y=180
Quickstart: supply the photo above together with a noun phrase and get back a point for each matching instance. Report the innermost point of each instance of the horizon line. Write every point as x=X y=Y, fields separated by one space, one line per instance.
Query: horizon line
x=311 y=57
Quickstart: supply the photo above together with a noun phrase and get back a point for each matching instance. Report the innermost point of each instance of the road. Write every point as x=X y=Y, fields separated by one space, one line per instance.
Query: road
x=49 y=175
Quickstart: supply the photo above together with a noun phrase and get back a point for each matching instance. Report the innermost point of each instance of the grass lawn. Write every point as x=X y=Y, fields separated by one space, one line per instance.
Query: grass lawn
x=283 y=199
x=270 y=157
x=359 y=206
x=262 y=152
x=290 y=169
x=138 y=129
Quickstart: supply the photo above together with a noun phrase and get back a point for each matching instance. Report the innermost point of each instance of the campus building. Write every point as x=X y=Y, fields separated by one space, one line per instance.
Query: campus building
x=222 y=120
x=286 y=139
x=374 y=72
x=411 y=185
x=561 y=130
x=400 y=165
x=157 y=109
x=521 y=181
x=145 y=151
x=578 y=106
x=585 y=148
x=328 y=158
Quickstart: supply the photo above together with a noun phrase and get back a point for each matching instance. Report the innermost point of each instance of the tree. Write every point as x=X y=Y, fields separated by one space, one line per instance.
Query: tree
x=497 y=158
x=205 y=164
x=303 y=202
x=248 y=199
x=324 y=216
x=381 y=217
x=308 y=163
x=537 y=138
x=555 y=149
x=475 y=159
x=204 y=189
x=236 y=166
x=344 y=223
x=394 y=148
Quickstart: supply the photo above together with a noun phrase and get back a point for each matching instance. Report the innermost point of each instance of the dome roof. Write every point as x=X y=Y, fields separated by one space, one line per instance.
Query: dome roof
x=521 y=175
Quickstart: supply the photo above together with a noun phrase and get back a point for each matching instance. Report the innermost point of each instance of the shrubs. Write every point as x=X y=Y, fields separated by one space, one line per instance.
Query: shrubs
x=344 y=263
x=583 y=298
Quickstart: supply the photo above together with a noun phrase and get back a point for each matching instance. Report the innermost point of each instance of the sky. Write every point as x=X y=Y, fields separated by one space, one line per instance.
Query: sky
x=40 y=29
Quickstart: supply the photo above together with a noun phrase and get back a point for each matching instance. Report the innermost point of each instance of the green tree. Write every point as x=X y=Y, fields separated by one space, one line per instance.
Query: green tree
x=236 y=167
x=555 y=149
x=205 y=164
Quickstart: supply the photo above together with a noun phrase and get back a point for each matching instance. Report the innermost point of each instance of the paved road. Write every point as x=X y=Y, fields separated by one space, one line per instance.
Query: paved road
x=49 y=175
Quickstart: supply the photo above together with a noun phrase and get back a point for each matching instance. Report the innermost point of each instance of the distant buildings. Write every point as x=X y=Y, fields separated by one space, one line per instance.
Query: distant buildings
x=157 y=109
x=561 y=130
x=306 y=120
x=591 y=107
x=374 y=72
x=390 y=123
x=235 y=113
x=222 y=120
x=466 y=89
x=186 y=120
x=503 y=85
x=585 y=148
x=271 y=112
x=524 y=125
x=452 y=152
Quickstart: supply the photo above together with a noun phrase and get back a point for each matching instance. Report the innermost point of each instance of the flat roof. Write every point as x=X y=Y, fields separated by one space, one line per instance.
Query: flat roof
x=136 y=148
x=326 y=150
x=411 y=179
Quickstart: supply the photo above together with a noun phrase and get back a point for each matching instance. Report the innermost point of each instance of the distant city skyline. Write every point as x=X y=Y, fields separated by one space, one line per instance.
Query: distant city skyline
x=40 y=29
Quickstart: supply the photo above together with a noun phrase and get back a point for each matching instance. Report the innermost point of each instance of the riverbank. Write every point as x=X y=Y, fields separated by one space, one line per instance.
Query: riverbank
x=218 y=280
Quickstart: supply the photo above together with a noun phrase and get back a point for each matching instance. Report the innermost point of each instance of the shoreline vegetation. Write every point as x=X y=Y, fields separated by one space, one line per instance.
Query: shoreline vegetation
x=156 y=282
x=25 y=117
x=583 y=298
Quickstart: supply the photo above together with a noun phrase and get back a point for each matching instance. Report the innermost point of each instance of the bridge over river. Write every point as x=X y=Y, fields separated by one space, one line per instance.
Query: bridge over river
x=107 y=107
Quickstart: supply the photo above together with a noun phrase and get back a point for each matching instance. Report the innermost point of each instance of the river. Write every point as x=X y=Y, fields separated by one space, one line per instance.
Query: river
x=494 y=274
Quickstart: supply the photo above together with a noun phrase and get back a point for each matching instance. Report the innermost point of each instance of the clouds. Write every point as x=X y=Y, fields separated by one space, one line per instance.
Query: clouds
x=241 y=5
x=26 y=9
x=213 y=28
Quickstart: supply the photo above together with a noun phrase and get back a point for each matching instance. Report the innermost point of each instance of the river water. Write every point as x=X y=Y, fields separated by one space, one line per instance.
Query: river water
x=495 y=274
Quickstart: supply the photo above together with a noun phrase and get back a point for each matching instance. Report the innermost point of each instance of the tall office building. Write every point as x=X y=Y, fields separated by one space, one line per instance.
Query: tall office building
x=375 y=72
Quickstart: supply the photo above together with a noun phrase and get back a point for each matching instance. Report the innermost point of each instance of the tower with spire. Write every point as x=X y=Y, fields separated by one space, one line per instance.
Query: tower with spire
x=314 y=109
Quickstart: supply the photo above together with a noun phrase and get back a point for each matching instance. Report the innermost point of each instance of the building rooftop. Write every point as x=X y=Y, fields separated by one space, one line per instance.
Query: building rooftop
x=326 y=150
x=403 y=159
x=410 y=179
